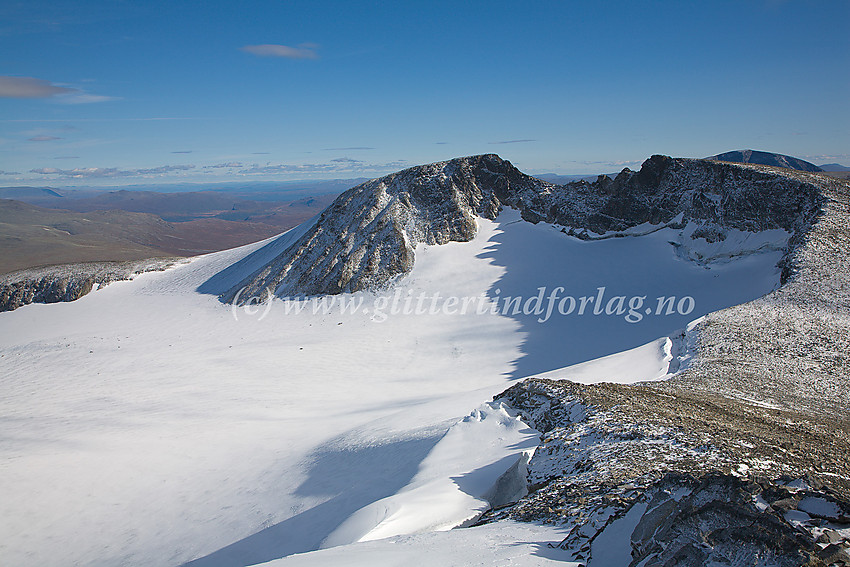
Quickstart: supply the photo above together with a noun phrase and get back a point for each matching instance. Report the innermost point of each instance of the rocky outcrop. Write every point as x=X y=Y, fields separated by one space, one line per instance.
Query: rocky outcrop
x=369 y=234
x=680 y=479
x=67 y=282
x=667 y=189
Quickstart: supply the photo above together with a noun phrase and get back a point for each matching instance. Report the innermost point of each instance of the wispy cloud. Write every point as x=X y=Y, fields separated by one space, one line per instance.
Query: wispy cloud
x=229 y=164
x=823 y=158
x=67 y=157
x=41 y=120
x=348 y=148
x=162 y=169
x=182 y=152
x=9 y=172
x=31 y=87
x=108 y=172
x=339 y=165
x=512 y=141
x=82 y=97
x=620 y=163
x=302 y=51
x=44 y=138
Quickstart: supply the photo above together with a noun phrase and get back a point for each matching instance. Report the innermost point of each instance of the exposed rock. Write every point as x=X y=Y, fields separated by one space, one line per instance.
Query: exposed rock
x=701 y=495
x=835 y=554
x=68 y=282
x=830 y=536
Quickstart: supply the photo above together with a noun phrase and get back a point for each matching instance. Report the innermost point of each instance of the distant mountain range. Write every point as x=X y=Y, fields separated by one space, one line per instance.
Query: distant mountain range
x=179 y=206
x=834 y=167
x=766 y=158
x=29 y=194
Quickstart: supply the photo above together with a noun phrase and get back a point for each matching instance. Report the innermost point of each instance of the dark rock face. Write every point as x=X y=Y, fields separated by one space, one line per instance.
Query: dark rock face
x=766 y=158
x=68 y=282
x=44 y=290
x=664 y=188
x=369 y=234
x=718 y=520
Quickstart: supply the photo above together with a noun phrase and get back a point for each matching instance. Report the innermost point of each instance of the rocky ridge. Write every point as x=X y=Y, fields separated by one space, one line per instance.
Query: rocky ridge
x=369 y=234
x=68 y=282
x=693 y=478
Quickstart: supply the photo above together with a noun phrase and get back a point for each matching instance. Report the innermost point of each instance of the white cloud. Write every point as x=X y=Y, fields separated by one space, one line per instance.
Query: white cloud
x=162 y=169
x=224 y=165
x=336 y=165
x=341 y=165
x=107 y=172
x=302 y=51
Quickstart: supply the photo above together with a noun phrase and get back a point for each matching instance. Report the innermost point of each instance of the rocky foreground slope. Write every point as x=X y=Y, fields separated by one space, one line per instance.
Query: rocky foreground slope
x=369 y=234
x=741 y=459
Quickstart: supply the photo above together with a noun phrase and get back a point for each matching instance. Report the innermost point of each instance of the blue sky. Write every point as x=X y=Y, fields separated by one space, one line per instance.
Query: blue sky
x=156 y=92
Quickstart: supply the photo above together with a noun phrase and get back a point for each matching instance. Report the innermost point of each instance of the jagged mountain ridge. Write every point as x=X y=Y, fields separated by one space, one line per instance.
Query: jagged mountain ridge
x=369 y=234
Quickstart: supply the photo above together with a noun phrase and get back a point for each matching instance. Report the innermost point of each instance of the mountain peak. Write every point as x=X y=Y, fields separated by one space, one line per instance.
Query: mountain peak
x=766 y=158
x=369 y=234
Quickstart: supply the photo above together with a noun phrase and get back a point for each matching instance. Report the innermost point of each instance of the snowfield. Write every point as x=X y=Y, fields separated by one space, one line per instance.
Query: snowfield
x=150 y=424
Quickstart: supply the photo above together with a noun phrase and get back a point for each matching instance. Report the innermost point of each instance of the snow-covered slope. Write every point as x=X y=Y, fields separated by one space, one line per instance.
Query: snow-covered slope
x=149 y=423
